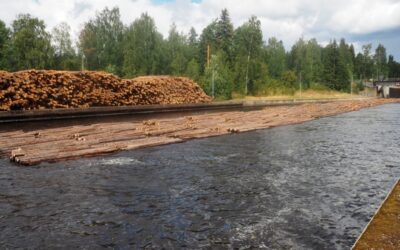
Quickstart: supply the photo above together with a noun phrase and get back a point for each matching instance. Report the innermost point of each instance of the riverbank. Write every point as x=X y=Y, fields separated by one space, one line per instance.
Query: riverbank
x=30 y=146
x=383 y=232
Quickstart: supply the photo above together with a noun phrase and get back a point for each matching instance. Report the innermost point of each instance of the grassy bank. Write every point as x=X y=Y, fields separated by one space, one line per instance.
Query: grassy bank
x=307 y=94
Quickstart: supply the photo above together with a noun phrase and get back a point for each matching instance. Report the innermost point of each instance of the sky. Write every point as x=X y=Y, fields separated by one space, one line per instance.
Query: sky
x=358 y=21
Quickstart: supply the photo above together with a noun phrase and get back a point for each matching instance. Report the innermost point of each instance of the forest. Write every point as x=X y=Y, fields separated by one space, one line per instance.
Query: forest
x=236 y=59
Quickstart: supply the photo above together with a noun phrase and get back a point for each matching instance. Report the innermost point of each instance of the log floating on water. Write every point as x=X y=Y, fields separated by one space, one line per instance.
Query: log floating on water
x=62 y=143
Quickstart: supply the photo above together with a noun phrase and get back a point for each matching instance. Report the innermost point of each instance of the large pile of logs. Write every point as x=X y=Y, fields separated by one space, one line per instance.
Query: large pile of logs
x=165 y=90
x=47 y=89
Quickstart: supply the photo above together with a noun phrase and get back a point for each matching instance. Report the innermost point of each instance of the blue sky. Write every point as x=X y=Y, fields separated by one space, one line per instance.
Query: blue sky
x=358 y=21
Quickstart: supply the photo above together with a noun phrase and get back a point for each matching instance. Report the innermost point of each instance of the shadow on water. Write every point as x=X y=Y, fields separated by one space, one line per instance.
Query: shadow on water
x=308 y=186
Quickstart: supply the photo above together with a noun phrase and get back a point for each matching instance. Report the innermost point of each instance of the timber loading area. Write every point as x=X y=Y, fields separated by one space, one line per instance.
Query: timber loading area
x=27 y=144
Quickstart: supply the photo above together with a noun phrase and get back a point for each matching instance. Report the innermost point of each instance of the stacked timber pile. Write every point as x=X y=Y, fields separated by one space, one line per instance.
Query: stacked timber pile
x=47 y=89
x=165 y=90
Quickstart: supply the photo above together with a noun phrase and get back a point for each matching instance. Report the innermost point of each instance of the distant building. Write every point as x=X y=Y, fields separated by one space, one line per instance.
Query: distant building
x=388 y=88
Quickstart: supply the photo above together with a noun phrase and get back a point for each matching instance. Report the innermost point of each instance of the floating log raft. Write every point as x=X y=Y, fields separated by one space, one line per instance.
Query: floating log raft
x=33 y=146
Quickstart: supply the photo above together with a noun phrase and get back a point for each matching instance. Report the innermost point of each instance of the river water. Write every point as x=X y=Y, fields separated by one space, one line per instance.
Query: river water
x=308 y=186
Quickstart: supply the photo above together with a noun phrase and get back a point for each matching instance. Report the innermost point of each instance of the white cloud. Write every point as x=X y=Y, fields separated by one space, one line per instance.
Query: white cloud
x=285 y=19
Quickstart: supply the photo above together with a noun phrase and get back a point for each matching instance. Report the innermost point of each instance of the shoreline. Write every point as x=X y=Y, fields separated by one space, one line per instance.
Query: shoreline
x=71 y=141
x=383 y=230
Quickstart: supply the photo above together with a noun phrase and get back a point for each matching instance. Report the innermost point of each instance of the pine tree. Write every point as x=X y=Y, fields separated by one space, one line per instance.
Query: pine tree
x=275 y=57
x=380 y=59
x=224 y=33
x=330 y=61
x=208 y=39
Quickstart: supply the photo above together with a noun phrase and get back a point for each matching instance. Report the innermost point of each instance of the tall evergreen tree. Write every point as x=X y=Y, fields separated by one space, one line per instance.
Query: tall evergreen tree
x=330 y=61
x=275 y=57
x=297 y=59
x=224 y=33
x=381 y=62
x=192 y=37
x=393 y=68
x=314 y=60
x=208 y=39
x=193 y=45
x=344 y=66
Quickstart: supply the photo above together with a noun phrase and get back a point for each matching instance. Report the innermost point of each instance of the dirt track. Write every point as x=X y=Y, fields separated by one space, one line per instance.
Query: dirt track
x=74 y=141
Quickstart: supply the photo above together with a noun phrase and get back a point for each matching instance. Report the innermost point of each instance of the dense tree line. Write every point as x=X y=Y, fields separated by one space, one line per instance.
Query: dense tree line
x=236 y=60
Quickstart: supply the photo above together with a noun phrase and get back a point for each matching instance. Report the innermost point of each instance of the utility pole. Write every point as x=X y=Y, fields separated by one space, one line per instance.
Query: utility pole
x=300 y=86
x=213 y=82
x=213 y=69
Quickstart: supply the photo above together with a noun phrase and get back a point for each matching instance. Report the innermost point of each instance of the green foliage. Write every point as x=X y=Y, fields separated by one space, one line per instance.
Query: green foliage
x=193 y=70
x=31 y=44
x=5 y=34
x=305 y=59
x=224 y=33
x=247 y=48
x=207 y=38
x=366 y=63
x=319 y=86
x=275 y=57
x=289 y=79
x=393 y=68
x=142 y=47
x=178 y=50
x=336 y=68
x=64 y=54
x=381 y=62
x=100 y=41
x=241 y=62
x=222 y=75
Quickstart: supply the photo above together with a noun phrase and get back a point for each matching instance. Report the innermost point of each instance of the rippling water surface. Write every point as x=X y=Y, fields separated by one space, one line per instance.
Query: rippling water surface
x=308 y=186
